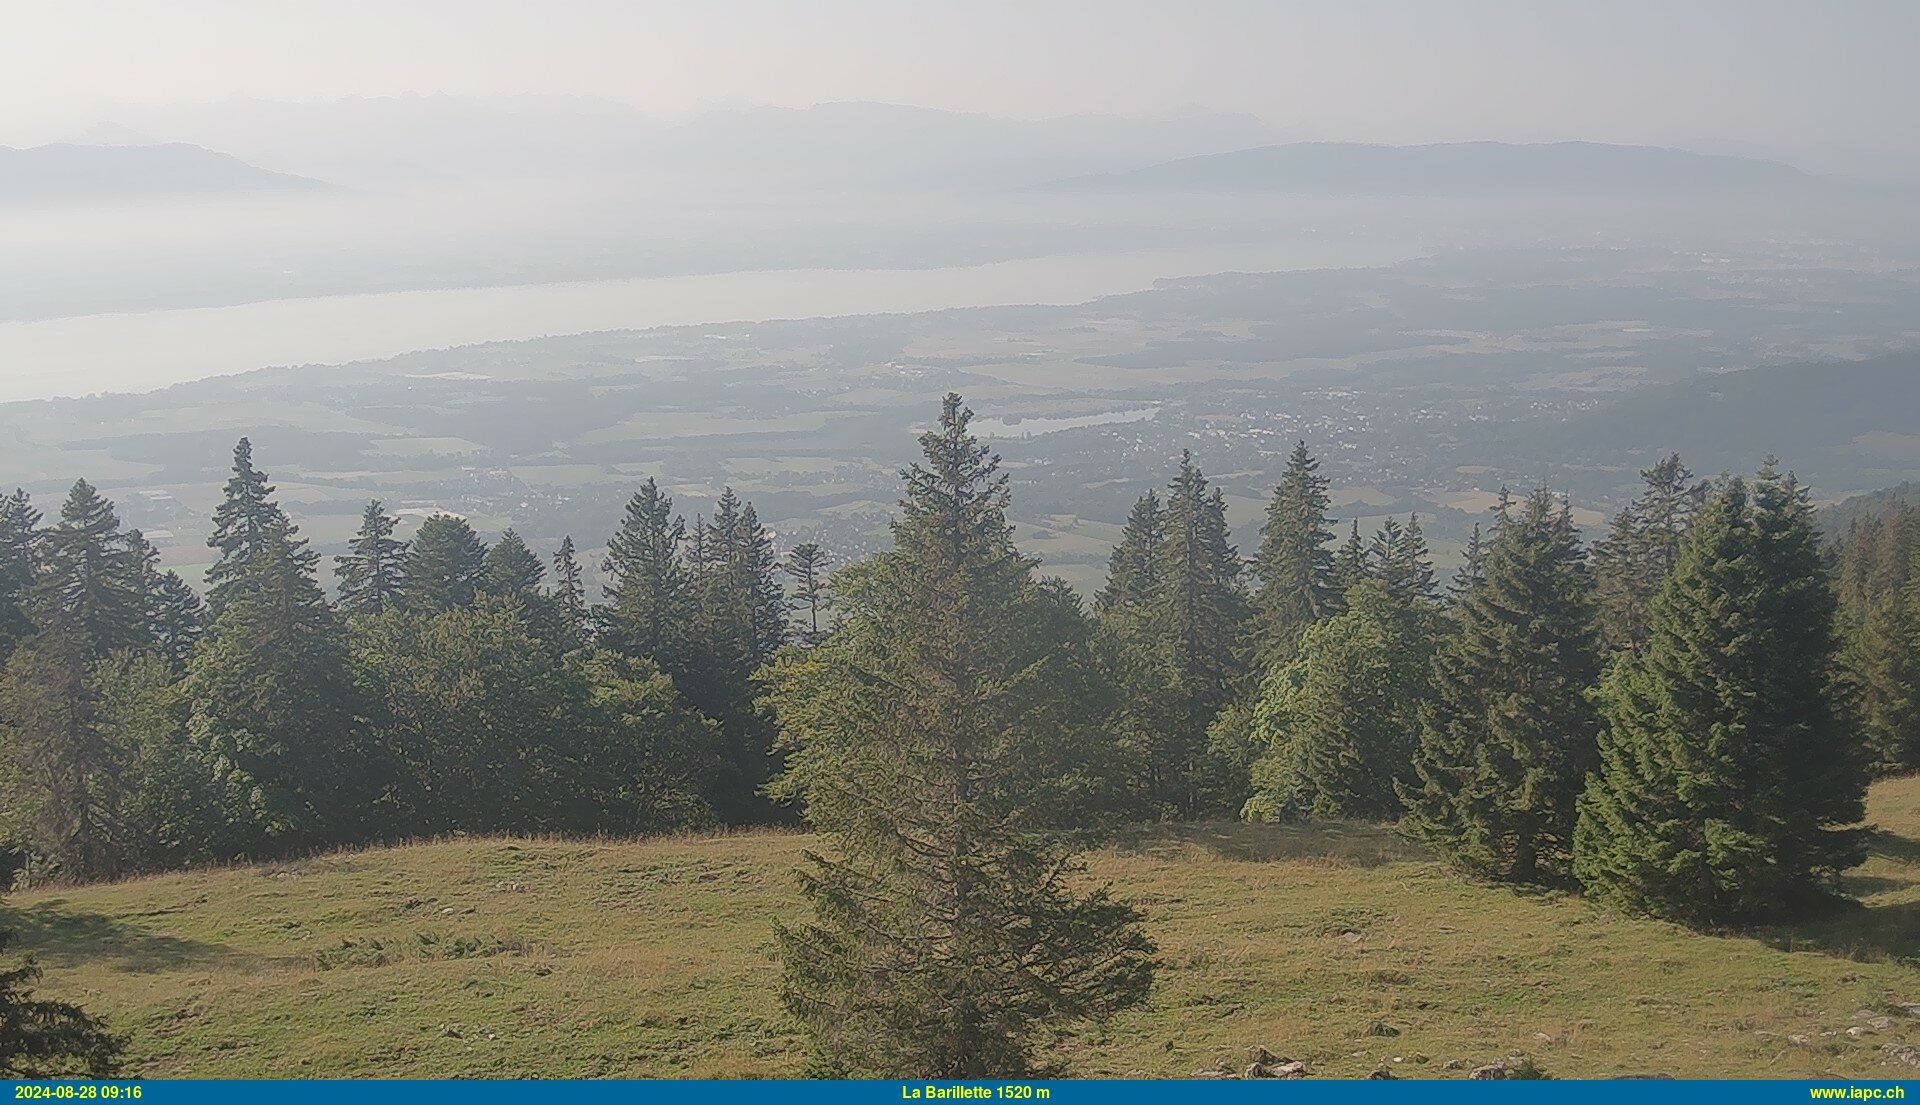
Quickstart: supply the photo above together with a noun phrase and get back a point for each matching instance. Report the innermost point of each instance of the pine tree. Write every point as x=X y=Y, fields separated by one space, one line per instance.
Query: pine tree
x=1878 y=576
x=570 y=595
x=1727 y=786
x=935 y=738
x=1197 y=625
x=1636 y=556
x=1339 y=721
x=648 y=591
x=806 y=566
x=1133 y=571
x=1507 y=741
x=372 y=574
x=444 y=566
x=247 y=514
x=60 y=779
x=42 y=1039
x=274 y=709
x=1295 y=564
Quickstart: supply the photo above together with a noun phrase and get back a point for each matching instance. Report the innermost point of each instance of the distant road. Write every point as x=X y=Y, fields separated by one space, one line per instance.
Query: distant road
x=143 y=351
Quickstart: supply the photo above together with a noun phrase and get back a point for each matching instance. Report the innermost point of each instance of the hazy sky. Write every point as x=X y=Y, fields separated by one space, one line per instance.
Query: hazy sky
x=1836 y=73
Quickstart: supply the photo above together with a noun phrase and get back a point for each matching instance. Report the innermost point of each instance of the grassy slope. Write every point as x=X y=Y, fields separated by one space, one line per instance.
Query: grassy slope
x=496 y=957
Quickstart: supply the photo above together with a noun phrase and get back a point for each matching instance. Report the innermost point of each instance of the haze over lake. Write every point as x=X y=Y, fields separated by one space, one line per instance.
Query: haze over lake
x=142 y=351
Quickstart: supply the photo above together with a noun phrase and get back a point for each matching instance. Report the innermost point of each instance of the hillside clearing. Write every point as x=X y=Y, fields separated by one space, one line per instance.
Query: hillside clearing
x=1335 y=944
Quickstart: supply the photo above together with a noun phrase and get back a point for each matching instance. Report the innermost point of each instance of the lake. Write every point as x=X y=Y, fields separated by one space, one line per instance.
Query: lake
x=142 y=351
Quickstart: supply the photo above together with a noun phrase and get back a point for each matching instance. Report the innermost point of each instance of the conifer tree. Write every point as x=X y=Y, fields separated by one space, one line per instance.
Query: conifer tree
x=806 y=565
x=1295 y=563
x=570 y=594
x=1507 y=741
x=1635 y=557
x=274 y=709
x=1473 y=566
x=1878 y=576
x=1339 y=722
x=177 y=619
x=247 y=514
x=936 y=736
x=1197 y=622
x=19 y=567
x=1728 y=789
x=1350 y=566
x=648 y=592
x=60 y=779
x=94 y=583
x=444 y=567
x=1133 y=570
x=511 y=570
x=43 y=1039
x=372 y=574
x=1400 y=560
x=739 y=621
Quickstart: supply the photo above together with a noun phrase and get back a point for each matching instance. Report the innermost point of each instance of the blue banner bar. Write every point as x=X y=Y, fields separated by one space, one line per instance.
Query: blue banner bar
x=1637 y=1091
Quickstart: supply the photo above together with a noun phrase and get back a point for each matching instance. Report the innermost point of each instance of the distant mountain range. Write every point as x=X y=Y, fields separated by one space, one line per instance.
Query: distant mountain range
x=379 y=142
x=72 y=173
x=1454 y=168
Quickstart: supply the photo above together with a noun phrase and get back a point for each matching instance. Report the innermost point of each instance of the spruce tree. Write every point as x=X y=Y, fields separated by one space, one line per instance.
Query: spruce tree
x=444 y=566
x=372 y=574
x=806 y=565
x=1473 y=566
x=1197 y=623
x=19 y=567
x=1295 y=562
x=61 y=780
x=648 y=593
x=1339 y=722
x=1634 y=559
x=274 y=709
x=739 y=620
x=511 y=570
x=94 y=581
x=247 y=514
x=1507 y=741
x=570 y=595
x=1400 y=560
x=1728 y=788
x=176 y=620
x=1878 y=576
x=1133 y=570
x=42 y=1039
x=936 y=738
x=1350 y=564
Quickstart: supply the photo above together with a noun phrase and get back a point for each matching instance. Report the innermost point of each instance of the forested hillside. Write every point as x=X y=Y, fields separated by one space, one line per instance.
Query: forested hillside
x=1681 y=722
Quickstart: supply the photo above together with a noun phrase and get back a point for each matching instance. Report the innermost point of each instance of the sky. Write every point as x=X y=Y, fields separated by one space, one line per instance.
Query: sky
x=1832 y=75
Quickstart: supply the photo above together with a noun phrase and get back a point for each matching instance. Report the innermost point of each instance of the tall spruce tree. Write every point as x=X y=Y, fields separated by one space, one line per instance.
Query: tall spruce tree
x=274 y=708
x=1878 y=576
x=247 y=514
x=1728 y=789
x=649 y=596
x=176 y=619
x=61 y=780
x=511 y=570
x=1295 y=562
x=739 y=621
x=806 y=565
x=1634 y=559
x=570 y=594
x=445 y=566
x=372 y=574
x=1197 y=623
x=936 y=736
x=1473 y=566
x=1400 y=560
x=1350 y=564
x=1507 y=741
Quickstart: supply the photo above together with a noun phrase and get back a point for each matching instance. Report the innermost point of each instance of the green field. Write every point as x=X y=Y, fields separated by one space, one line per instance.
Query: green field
x=1337 y=944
